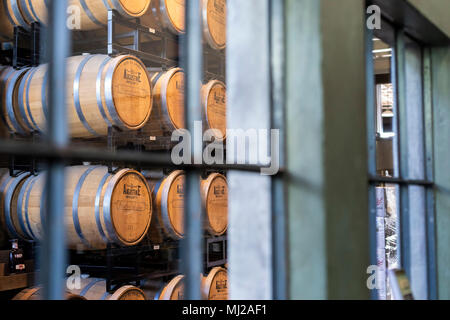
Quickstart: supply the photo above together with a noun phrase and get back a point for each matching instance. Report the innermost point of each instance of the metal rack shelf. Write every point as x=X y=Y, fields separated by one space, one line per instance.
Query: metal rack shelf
x=56 y=151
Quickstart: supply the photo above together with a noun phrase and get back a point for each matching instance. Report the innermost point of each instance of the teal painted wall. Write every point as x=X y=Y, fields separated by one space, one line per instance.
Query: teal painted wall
x=326 y=143
x=441 y=102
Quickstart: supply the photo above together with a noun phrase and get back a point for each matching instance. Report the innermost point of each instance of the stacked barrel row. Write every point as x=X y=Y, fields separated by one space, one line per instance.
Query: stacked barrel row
x=87 y=289
x=214 y=286
x=93 y=14
x=103 y=92
x=103 y=207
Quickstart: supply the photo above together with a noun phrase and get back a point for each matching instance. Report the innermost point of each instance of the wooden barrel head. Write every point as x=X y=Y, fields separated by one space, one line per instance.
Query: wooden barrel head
x=135 y=8
x=175 y=12
x=215 y=285
x=215 y=106
x=216 y=203
x=130 y=206
x=131 y=92
x=174 y=290
x=215 y=19
x=128 y=293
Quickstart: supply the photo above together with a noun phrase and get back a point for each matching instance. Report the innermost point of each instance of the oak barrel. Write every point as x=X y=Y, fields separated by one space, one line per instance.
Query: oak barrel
x=215 y=285
x=170 y=14
x=4 y=237
x=36 y=293
x=101 y=92
x=5 y=74
x=174 y=290
x=10 y=15
x=9 y=107
x=214 y=15
x=169 y=203
x=95 y=289
x=214 y=102
x=168 y=98
x=168 y=102
x=101 y=207
x=214 y=192
x=93 y=13
x=9 y=192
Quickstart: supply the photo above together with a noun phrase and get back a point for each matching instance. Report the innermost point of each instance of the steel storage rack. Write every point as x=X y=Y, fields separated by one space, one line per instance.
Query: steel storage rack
x=55 y=151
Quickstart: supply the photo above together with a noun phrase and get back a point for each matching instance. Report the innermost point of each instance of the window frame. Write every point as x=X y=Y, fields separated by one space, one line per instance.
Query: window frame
x=396 y=37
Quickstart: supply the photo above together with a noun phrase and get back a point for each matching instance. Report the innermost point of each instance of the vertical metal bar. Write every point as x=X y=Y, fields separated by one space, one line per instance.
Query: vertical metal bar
x=192 y=58
x=53 y=254
x=403 y=245
x=429 y=174
x=279 y=233
x=371 y=146
x=111 y=31
x=371 y=103
x=396 y=142
x=413 y=164
x=137 y=39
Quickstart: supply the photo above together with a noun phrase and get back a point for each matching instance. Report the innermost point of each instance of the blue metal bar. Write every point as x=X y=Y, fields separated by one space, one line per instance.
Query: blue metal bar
x=53 y=254
x=404 y=241
x=279 y=195
x=371 y=146
x=429 y=174
x=192 y=53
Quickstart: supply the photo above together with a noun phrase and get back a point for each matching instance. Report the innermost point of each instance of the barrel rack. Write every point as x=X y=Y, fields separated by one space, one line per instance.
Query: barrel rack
x=133 y=38
x=145 y=261
x=140 y=41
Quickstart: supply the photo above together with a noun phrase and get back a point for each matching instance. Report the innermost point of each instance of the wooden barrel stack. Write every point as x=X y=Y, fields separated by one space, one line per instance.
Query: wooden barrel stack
x=90 y=289
x=93 y=13
x=101 y=91
x=168 y=103
x=101 y=208
x=169 y=203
